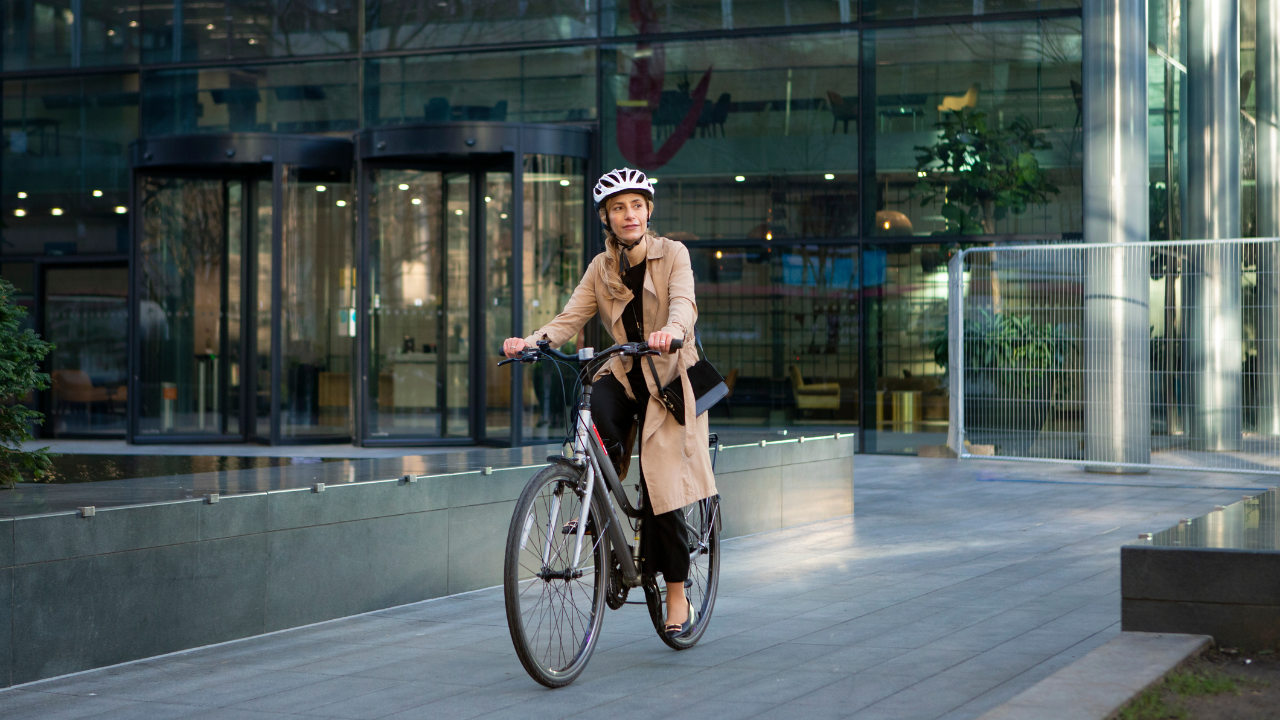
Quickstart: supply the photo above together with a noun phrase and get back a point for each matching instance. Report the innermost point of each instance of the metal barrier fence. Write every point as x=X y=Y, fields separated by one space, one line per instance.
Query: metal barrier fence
x=1117 y=357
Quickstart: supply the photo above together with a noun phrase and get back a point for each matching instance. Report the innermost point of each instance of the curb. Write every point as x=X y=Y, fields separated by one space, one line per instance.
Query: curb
x=1097 y=685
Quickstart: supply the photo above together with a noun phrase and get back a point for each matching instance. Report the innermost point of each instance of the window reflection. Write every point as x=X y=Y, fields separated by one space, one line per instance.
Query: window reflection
x=643 y=17
x=296 y=98
x=781 y=324
x=996 y=78
x=411 y=24
x=48 y=34
x=183 y=31
x=65 y=166
x=893 y=9
x=747 y=139
x=536 y=86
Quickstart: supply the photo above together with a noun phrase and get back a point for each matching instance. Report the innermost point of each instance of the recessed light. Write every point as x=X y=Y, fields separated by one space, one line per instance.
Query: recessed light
x=488 y=199
x=417 y=201
x=321 y=188
x=740 y=179
x=97 y=193
x=56 y=211
x=111 y=33
x=120 y=209
x=404 y=186
x=20 y=212
x=829 y=176
x=209 y=26
x=133 y=23
x=21 y=195
x=253 y=41
x=653 y=181
x=341 y=203
x=503 y=216
x=719 y=254
x=564 y=183
x=457 y=212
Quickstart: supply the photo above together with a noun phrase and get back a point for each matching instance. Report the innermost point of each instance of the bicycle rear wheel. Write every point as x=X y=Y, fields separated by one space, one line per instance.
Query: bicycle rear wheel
x=703 y=520
x=554 y=607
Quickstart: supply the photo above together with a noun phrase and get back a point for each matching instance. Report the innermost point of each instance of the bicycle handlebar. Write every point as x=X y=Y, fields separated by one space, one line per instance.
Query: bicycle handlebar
x=531 y=355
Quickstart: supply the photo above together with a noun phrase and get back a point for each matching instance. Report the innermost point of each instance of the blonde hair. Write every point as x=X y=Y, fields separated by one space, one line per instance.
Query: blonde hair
x=613 y=253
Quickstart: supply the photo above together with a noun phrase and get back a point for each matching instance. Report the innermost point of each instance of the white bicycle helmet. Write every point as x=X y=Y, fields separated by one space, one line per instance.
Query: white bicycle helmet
x=619 y=181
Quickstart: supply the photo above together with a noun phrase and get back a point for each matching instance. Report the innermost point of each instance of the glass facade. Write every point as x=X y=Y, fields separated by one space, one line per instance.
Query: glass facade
x=805 y=151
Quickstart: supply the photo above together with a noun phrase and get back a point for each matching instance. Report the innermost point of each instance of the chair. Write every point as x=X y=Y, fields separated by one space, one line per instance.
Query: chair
x=956 y=103
x=713 y=116
x=842 y=111
x=673 y=105
x=437 y=110
x=74 y=386
x=814 y=396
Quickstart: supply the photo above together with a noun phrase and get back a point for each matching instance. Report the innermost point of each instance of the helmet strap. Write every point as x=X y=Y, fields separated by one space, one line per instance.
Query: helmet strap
x=624 y=264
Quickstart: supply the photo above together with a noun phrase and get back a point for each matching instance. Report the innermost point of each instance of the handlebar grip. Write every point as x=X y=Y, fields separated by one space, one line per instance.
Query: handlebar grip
x=676 y=344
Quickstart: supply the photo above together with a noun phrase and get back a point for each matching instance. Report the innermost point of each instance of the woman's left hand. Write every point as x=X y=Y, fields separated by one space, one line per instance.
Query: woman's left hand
x=659 y=340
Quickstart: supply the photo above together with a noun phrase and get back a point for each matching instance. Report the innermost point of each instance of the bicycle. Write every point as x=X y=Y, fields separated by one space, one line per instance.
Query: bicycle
x=555 y=594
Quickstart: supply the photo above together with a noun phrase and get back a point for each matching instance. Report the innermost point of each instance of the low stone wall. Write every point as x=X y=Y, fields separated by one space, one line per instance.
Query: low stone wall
x=132 y=582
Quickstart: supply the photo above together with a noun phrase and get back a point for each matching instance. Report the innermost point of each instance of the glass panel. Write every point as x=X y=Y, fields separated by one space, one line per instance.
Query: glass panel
x=457 y=305
x=316 y=265
x=887 y=9
x=410 y=24
x=1009 y=86
x=183 y=297
x=65 y=165
x=186 y=31
x=295 y=98
x=781 y=324
x=1166 y=83
x=906 y=309
x=771 y=154
x=419 y=232
x=48 y=35
x=234 y=305
x=86 y=316
x=530 y=86
x=499 y=228
x=553 y=256
x=644 y=17
x=262 y=288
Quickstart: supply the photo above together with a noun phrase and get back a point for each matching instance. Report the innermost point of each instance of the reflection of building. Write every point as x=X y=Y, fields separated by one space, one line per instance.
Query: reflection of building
x=328 y=232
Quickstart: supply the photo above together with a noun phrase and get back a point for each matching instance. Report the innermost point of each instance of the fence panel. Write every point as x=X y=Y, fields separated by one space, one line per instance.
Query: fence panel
x=1118 y=357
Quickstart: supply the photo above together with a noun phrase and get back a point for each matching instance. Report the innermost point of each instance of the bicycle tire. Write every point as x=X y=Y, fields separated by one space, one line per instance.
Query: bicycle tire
x=704 y=575
x=541 y=609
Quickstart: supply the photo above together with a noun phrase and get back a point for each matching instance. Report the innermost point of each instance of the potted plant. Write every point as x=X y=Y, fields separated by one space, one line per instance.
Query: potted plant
x=1011 y=368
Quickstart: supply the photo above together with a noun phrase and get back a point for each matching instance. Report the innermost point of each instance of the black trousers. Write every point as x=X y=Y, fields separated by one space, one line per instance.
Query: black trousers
x=664 y=543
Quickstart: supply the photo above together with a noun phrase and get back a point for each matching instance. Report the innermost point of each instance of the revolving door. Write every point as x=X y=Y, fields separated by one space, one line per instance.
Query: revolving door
x=243 y=277
x=472 y=233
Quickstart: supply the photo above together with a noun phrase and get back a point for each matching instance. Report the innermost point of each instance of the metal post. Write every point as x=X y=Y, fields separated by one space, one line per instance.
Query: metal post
x=1213 y=330
x=1267 y=82
x=1117 y=355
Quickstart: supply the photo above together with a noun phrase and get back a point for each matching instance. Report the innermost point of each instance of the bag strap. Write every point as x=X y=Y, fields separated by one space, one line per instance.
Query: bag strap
x=697 y=339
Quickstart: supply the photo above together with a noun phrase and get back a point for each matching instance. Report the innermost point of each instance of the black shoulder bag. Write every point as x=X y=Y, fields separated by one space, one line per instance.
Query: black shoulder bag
x=708 y=386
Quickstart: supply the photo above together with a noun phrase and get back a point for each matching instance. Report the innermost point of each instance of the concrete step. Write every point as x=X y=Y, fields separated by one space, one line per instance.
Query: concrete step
x=1100 y=683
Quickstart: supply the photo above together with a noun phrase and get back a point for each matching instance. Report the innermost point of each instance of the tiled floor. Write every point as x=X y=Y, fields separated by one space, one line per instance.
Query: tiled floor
x=956 y=586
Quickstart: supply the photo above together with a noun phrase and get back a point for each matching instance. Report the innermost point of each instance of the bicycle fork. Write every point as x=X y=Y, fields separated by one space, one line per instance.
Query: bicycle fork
x=586 y=453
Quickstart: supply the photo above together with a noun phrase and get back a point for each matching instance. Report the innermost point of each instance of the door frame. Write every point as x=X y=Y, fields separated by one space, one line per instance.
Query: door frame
x=480 y=147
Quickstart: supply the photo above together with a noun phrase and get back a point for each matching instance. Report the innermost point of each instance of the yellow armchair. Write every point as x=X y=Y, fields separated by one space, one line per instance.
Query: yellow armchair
x=814 y=396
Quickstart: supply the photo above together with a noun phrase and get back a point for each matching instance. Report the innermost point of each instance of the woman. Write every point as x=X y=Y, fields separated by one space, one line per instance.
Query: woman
x=642 y=288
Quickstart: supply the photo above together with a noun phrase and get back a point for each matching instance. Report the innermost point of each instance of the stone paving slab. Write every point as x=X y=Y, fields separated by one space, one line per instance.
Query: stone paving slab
x=1101 y=682
x=957 y=586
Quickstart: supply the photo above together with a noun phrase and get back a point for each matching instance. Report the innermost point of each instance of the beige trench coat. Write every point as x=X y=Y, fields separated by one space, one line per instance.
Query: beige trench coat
x=677 y=466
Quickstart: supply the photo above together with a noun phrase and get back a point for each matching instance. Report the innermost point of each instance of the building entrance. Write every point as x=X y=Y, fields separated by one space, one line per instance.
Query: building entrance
x=244 y=273
x=471 y=230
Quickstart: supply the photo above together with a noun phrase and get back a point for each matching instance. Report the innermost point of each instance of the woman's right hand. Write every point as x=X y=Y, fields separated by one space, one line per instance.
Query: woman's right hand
x=511 y=347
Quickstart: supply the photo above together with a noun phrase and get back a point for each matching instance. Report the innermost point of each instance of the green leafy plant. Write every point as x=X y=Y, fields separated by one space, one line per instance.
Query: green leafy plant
x=21 y=352
x=1001 y=341
x=982 y=172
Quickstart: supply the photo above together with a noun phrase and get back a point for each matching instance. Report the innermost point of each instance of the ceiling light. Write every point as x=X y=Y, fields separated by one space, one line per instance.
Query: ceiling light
x=253 y=41
x=97 y=193
x=20 y=212
x=416 y=201
x=886 y=224
x=457 y=212
x=503 y=216
x=120 y=209
x=320 y=188
x=921 y=173
x=719 y=254
x=209 y=26
x=21 y=195
x=133 y=23
x=829 y=176
x=768 y=235
x=488 y=199
x=740 y=179
x=111 y=33
x=56 y=211
x=403 y=186
x=564 y=183
x=341 y=203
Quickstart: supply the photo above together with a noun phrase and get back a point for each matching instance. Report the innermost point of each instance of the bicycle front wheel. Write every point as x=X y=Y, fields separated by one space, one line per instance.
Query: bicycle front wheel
x=702 y=520
x=555 y=602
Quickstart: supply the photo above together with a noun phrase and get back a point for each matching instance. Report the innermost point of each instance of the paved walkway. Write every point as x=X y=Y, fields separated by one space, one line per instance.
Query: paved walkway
x=955 y=587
